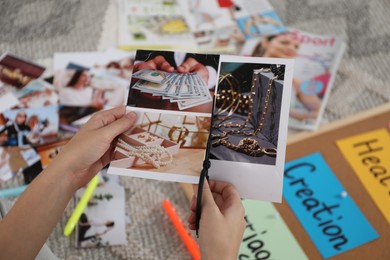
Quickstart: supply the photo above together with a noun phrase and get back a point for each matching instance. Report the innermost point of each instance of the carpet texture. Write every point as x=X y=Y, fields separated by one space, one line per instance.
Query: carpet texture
x=36 y=29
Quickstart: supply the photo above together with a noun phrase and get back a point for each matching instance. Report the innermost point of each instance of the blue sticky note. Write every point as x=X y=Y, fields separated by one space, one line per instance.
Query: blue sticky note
x=330 y=217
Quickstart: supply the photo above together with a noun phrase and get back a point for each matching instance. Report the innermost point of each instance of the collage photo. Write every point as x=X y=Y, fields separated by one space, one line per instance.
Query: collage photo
x=176 y=118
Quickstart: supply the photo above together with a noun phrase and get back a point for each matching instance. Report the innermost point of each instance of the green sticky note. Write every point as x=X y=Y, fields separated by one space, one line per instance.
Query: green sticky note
x=266 y=235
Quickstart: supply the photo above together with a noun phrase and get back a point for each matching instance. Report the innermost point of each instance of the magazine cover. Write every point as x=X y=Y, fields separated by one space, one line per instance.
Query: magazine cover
x=249 y=123
x=316 y=57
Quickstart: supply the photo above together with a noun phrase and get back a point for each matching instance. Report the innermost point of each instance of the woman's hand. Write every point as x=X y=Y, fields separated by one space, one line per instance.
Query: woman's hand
x=91 y=148
x=222 y=223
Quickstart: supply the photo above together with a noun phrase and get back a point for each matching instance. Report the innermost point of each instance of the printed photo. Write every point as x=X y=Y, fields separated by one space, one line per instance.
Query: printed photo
x=97 y=79
x=249 y=125
x=48 y=152
x=5 y=169
x=25 y=127
x=164 y=146
x=173 y=81
x=7 y=99
x=37 y=93
x=18 y=72
x=69 y=115
x=103 y=220
x=18 y=165
x=247 y=114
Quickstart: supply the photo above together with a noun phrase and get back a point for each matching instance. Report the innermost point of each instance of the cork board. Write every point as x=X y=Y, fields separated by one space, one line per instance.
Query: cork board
x=324 y=141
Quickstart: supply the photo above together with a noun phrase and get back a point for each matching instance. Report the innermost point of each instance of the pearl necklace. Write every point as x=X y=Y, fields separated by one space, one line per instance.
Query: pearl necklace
x=150 y=154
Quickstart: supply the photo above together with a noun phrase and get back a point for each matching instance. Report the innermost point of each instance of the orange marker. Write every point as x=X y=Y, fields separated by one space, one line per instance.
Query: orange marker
x=189 y=242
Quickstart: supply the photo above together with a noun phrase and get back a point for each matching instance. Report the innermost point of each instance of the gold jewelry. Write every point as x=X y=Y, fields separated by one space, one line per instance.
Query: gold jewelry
x=247 y=146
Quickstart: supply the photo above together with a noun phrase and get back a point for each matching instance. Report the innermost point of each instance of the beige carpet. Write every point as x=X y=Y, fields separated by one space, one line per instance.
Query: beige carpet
x=37 y=28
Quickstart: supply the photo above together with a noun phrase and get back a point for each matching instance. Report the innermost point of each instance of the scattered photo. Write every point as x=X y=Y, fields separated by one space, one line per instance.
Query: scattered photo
x=25 y=127
x=98 y=80
x=5 y=169
x=173 y=81
x=37 y=93
x=48 y=152
x=7 y=99
x=69 y=115
x=18 y=165
x=103 y=220
x=162 y=145
x=17 y=72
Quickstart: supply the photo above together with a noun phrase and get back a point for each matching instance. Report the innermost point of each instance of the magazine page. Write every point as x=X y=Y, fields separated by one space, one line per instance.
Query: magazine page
x=317 y=58
x=204 y=26
x=153 y=24
x=172 y=94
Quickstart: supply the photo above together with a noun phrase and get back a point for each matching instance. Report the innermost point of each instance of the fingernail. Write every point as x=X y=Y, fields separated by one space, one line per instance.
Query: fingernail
x=131 y=115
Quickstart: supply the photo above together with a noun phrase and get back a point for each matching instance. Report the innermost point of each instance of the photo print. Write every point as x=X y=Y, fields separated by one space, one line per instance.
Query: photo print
x=248 y=122
x=173 y=81
x=37 y=93
x=163 y=145
x=103 y=220
x=246 y=117
x=248 y=136
x=99 y=80
x=18 y=165
x=18 y=72
x=29 y=127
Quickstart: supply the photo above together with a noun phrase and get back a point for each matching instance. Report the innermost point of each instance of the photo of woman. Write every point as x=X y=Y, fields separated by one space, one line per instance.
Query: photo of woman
x=78 y=90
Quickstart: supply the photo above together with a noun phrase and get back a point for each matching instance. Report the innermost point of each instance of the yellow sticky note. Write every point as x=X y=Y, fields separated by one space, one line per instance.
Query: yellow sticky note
x=369 y=156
